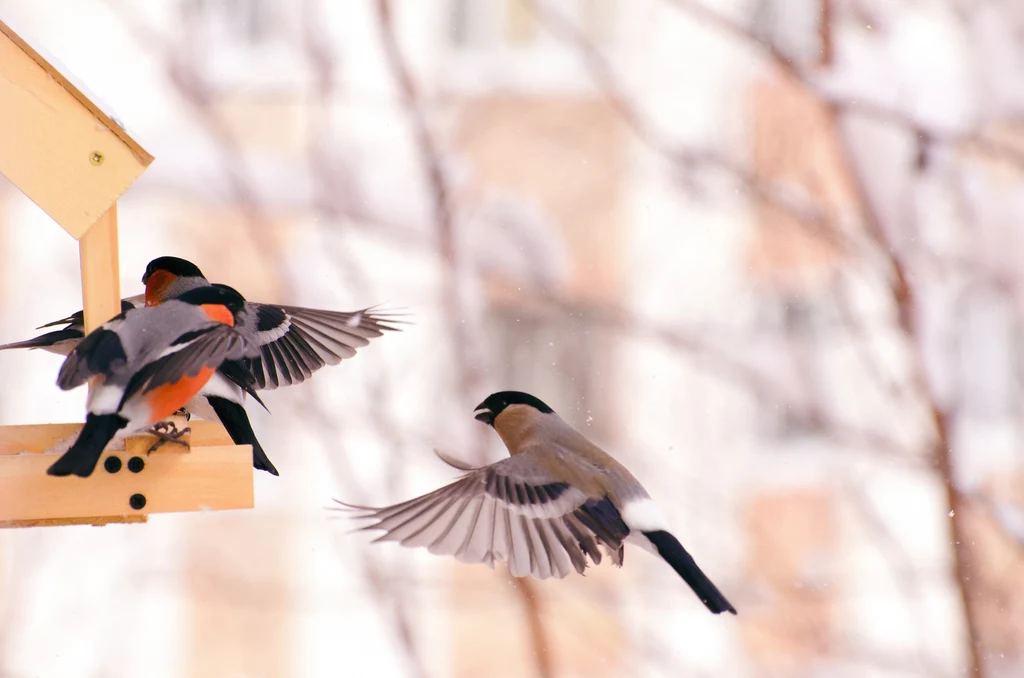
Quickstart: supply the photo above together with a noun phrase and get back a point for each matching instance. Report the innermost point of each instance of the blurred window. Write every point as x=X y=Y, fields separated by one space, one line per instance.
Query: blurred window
x=483 y=24
x=241 y=22
x=795 y=331
x=989 y=342
x=794 y=555
x=795 y=28
x=246 y=44
x=558 y=353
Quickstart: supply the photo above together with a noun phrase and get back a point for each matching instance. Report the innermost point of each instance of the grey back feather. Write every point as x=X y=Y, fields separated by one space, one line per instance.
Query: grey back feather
x=144 y=336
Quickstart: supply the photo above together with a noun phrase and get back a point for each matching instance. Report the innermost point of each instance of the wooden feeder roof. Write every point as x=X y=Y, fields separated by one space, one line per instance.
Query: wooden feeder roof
x=60 y=148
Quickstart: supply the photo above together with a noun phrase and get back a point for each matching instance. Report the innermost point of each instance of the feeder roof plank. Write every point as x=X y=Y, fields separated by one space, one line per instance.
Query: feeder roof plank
x=58 y=146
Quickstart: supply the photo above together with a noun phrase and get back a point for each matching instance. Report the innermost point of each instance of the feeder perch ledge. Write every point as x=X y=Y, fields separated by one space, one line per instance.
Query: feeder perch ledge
x=70 y=157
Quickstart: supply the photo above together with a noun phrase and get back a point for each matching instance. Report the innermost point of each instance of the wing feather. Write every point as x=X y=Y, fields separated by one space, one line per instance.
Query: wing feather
x=519 y=546
x=208 y=348
x=296 y=342
x=454 y=536
x=513 y=512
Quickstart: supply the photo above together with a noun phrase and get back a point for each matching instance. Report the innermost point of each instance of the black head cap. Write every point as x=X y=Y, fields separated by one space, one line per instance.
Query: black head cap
x=496 y=403
x=215 y=294
x=182 y=268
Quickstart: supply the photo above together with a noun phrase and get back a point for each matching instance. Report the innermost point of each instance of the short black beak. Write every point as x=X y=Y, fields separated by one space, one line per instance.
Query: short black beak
x=486 y=417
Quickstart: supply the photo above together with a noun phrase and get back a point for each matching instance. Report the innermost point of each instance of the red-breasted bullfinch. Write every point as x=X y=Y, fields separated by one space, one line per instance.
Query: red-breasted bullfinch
x=145 y=364
x=289 y=344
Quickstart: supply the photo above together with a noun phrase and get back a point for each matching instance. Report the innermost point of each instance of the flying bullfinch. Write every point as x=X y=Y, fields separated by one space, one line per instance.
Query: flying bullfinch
x=557 y=500
x=145 y=364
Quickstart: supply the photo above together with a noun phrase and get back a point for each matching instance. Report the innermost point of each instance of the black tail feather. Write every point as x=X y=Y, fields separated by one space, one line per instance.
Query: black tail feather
x=236 y=421
x=682 y=562
x=84 y=454
x=45 y=340
x=240 y=374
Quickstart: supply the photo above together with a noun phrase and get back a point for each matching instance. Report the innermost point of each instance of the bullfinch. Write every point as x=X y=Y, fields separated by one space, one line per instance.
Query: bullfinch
x=145 y=364
x=288 y=344
x=558 y=500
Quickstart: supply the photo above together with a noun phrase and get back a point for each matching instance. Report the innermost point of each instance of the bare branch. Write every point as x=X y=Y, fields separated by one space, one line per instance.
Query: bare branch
x=906 y=305
x=876 y=112
x=535 y=624
x=440 y=193
x=808 y=215
x=825 y=33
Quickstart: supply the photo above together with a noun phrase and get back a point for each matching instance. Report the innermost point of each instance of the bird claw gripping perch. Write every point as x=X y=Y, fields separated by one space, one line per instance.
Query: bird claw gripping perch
x=168 y=432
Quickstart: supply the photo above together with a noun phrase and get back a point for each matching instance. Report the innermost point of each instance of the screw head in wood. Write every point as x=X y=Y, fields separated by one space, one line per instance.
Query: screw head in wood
x=96 y=158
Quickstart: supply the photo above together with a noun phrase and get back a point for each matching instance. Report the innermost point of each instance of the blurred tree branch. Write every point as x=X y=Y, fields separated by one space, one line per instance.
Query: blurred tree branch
x=188 y=81
x=689 y=160
x=877 y=112
x=693 y=343
x=905 y=302
x=535 y=625
x=440 y=194
x=904 y=299
x=464 y=352
x=825 y=33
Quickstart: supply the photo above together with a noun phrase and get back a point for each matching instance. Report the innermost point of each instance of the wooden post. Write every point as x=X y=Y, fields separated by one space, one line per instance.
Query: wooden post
x=101 y=287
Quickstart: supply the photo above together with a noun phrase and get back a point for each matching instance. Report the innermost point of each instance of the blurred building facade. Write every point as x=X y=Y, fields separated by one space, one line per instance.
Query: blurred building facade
x=744 y=364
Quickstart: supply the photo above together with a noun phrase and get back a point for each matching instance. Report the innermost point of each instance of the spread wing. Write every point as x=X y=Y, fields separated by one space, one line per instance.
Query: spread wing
x=296 y=342
x=238 y=373
x=511 y=511
x=206 y=347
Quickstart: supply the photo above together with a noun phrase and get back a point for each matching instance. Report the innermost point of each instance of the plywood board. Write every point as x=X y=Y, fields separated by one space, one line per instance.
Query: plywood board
x=36 y=438
x=210 y=476
x=57 y=146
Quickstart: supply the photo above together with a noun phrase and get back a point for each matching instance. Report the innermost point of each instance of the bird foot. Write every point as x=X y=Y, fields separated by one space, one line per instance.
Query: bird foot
x=167 y=432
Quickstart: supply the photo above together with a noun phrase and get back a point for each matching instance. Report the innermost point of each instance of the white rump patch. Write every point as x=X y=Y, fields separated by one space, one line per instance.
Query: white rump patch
x=104 y=399
x=642 y=514
x=220 y=386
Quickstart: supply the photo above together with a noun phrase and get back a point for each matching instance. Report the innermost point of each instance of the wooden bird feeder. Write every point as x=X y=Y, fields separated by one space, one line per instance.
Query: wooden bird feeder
x=74 y=161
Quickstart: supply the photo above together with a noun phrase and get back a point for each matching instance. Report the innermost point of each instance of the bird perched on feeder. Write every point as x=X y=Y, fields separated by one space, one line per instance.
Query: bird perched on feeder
x=145 y=364
x=555 y=501
x=289 y=344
